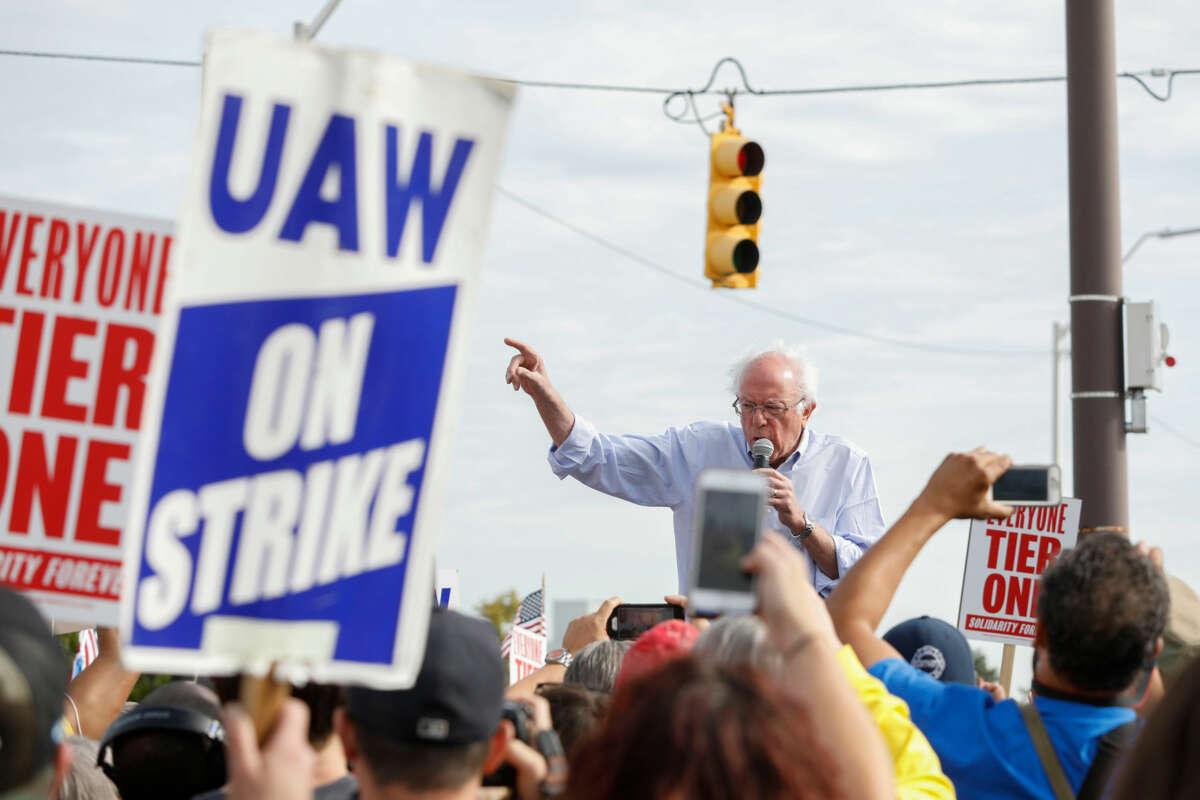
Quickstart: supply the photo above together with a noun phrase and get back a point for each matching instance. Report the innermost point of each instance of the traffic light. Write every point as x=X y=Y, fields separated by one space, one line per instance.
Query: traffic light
x=734 y=208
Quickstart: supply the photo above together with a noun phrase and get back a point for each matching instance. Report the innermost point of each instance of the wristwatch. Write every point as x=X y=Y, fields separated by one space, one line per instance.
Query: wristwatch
x=560 y=656
x=805 y=530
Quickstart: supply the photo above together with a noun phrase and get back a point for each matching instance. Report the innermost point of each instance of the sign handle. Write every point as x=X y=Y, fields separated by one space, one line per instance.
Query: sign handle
x=263 y=697
x=1006 y=667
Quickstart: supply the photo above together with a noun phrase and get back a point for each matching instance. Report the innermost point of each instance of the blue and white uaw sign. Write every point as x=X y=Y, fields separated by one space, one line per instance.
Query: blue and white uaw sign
x=288 y=490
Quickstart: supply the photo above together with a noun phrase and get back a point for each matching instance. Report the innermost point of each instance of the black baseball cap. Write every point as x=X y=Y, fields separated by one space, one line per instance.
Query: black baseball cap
x=458 y=693
x=33 y=675
x=935 y=647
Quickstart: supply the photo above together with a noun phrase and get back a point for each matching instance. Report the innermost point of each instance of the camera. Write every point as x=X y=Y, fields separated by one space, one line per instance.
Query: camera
x=518 y=715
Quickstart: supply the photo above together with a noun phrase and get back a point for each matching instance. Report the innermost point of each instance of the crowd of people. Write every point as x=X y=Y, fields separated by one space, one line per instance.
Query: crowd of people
x=804 y=698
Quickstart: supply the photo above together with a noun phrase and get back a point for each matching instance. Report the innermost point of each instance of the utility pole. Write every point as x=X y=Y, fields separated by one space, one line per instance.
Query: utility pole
x=1097 y=370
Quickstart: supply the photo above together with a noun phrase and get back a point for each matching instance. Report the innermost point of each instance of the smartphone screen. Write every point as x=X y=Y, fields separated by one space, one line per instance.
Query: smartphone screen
x=632 y=620
x=1018 y=484
x=728 y=532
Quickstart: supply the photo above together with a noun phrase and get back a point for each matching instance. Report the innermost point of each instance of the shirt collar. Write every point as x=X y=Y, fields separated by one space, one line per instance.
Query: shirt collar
x=1041 y=690
x=795 y=456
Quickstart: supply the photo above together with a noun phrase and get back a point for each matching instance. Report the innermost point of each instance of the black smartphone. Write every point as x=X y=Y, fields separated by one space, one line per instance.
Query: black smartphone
x=631 y=620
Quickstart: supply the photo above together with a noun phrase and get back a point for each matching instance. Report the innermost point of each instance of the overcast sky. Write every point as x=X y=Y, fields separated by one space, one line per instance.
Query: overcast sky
x=938 y=217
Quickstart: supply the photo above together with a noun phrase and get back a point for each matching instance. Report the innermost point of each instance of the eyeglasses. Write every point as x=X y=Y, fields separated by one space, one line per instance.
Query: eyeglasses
x=745 y=408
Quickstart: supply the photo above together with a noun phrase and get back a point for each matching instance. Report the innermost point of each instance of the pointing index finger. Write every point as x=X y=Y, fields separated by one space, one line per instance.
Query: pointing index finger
x=524 y=348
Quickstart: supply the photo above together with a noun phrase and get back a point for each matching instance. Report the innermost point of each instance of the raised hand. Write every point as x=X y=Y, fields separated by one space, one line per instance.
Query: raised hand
x=787 y=602
x=589 y=628
x=526 y=370
x=959 y=487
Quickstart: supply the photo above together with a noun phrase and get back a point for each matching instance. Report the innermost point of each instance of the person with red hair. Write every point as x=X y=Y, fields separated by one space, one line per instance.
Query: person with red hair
x=704 y=731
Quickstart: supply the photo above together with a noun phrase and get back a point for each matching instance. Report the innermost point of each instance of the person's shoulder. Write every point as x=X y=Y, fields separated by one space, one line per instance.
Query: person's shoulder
x=708 y=430
x=896 y=673
x=834 y=443
x=931 y=701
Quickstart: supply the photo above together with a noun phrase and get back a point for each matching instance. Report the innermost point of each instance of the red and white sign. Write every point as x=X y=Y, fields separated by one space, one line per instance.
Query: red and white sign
x=80 y=297
x=527 y=654
x=1005 y=561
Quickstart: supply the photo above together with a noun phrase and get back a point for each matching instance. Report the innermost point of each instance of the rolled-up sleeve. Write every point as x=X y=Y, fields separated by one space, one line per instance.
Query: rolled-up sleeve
x=573 y=452
x=859 y=525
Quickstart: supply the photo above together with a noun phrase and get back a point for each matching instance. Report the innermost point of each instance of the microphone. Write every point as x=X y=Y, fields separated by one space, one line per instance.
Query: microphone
x=761 y=451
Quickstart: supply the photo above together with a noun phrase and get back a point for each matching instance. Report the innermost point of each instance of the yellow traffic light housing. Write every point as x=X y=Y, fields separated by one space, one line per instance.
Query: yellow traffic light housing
x=734 y=208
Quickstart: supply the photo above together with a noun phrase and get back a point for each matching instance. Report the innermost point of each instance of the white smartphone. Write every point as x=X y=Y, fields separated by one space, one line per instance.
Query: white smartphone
x=1027 y=485
x=726 y=526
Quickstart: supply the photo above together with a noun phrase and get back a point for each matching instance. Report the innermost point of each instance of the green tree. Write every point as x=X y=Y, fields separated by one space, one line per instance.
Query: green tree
x=983 y=669
x=500 y=611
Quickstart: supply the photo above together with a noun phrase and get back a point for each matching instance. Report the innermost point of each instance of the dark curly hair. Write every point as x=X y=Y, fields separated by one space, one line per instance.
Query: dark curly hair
x=698 y=730
x=1102 y=606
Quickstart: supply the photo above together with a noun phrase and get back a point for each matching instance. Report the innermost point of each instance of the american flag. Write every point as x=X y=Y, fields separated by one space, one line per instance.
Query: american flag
x=529 y=617
x=89 y=648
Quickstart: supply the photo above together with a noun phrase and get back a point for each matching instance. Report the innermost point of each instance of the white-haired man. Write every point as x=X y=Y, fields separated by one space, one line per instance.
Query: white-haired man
x=822 y=492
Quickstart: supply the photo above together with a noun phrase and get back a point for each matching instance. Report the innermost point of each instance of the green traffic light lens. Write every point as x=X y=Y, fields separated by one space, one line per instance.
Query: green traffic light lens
x=745 y=256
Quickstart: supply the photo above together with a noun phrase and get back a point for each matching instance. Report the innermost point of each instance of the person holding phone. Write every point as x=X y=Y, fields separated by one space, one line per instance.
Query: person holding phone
x=820 y=488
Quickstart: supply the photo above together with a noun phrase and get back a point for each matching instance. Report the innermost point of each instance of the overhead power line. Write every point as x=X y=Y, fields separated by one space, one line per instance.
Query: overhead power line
x=161 y=62
x=732 y=296
x=1177 y=434
x=674 y=92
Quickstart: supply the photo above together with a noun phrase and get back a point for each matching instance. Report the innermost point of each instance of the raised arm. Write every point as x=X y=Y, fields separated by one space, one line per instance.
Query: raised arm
x=958 y=488
x=99 y=692
x=800 y=629
x=527 y=371
x=648 y=470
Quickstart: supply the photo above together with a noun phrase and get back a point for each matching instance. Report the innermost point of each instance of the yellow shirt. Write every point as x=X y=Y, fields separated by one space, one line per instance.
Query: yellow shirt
x=918 y=771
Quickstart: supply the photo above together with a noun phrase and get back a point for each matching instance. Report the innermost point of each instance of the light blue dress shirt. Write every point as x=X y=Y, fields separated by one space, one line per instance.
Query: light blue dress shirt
x=833 y=481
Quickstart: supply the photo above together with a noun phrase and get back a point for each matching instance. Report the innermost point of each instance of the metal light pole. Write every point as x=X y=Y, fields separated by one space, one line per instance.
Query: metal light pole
x=1058 y=352
x=306 y=33
x=1165 y=233
x=1097 y=371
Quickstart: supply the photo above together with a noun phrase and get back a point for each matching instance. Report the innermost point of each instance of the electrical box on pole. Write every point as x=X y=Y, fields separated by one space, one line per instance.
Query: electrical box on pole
x=734 y=208
x=1146 y=340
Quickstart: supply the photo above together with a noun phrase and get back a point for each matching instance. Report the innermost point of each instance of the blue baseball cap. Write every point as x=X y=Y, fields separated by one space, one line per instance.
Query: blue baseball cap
x=935 y=647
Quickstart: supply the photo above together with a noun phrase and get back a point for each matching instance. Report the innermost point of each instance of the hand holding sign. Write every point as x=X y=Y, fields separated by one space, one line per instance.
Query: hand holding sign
x=958 y=489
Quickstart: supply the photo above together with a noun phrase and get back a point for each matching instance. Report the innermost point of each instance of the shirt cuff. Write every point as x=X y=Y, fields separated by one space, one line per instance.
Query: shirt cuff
x=845 y=553
x=571 y=453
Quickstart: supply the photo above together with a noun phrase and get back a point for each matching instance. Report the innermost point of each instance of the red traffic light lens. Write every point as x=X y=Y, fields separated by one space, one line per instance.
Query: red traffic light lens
x=750 y=159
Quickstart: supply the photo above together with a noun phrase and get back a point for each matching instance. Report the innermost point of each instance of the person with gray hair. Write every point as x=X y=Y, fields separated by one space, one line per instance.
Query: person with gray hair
x=596 y=666
x=821 y=491
x=739 y=639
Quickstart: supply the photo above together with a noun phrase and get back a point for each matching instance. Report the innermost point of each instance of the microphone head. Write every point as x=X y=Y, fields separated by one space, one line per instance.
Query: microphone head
x=762 y=447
